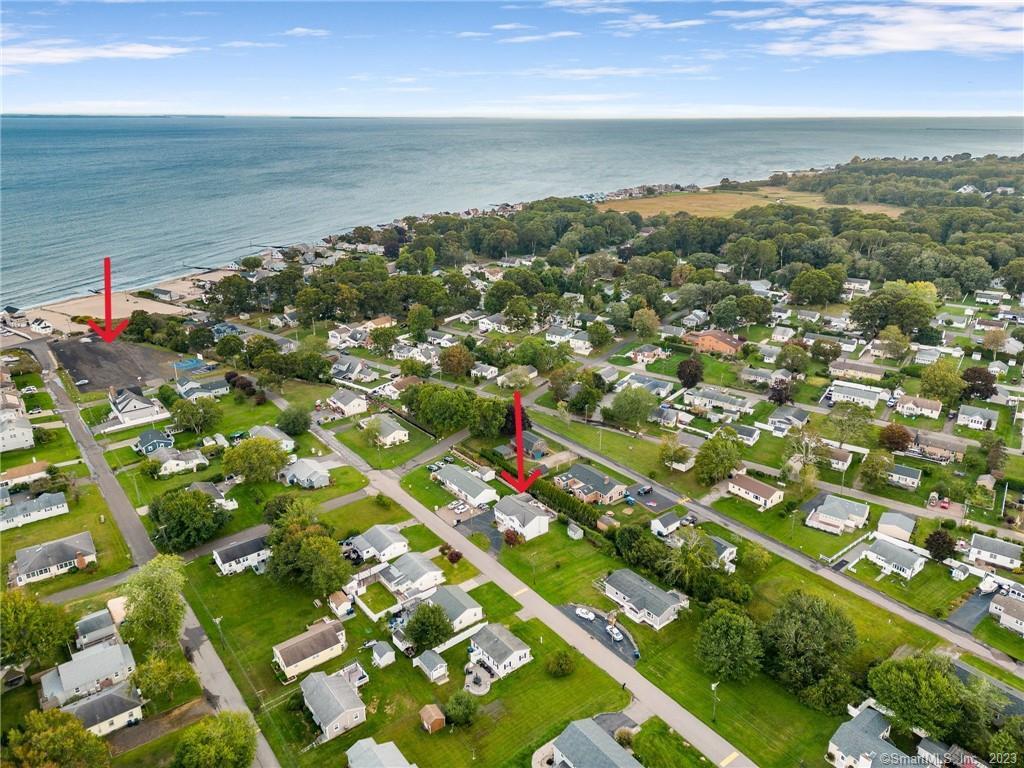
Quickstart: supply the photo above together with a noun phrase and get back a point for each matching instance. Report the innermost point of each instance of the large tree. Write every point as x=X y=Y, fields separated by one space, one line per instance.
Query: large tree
x=224 y=740
x=825 y=351
x=487 y=417
x=600 y=334
x=920 y=691
x=160 y=676
x=196 y=416
x=630 y=407
x=940 y=544
x=729 y=646
x=690 y=372
x=941 y=380
x=32 y=630
x=420 y=320
x=304 y=551
x=293 y=421
x=646 y=323
x=717 y=457
x=893 y=342
x=56 y=739
x=850 y=422
x=794 y=358
x=875 y=468
x=428 y=627
x=186 y=518
x=456 y=361
x=461 y=708
x=895 y=437
x=257 y=459
x=981 y=383
x=154 y=606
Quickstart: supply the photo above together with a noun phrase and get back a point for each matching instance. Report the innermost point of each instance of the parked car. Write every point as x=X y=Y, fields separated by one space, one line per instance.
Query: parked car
x=81 y=382
x=944 y=504
x=433 y=467
x=643 y=490
x=630 y=500
x=891 y=402
x=585 y=613
x=690 y=519
x=613 y=633
x=35 y=410
x=29 y=390
x=449 y=459
x=830 y=403
x=951 y=415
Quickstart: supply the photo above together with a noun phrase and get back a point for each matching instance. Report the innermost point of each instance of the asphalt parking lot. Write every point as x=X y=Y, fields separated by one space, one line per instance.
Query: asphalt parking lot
x=655 y=500
x=624 y=650
x=119 y=364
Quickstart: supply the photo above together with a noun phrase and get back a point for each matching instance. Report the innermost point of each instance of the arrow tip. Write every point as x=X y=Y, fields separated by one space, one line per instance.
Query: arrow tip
x=520 y=483
x=108 y=334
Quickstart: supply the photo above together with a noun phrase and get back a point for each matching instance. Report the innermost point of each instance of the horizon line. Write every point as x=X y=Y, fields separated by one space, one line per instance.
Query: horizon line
x=539 y=118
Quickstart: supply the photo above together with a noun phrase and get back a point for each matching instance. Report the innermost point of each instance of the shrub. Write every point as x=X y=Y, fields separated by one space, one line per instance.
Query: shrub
x=561 y=664
x=454 y=556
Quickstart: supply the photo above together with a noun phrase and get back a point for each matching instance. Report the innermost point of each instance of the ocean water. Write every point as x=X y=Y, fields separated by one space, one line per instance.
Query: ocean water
x=161 y=195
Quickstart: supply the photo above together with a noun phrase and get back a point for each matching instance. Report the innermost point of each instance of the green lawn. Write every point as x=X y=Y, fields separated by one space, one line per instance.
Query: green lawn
x=386 y=458
x=790 y=530
x=668 y=366
x=95 y=415
x=421 y=538
x=498 y=604
x=131 y=433
x=639 y=455
x=112 y=554
x=428 y=493
x=235 y=417
x=305 y=394
x=768 y=450
x=992 y=670
x=1014 y=467
x=17 y=703
x=61 y=447
x=919 y=422
x=359 y=515
x=32 y=379
x=142 y=489
x=932 y=591
x=1001 y=638
x=1005 y=427
x=560 y=569
x=658 y=746
x=124 y=456
x=158 y=753
x=377 y=598
x=457 y=573
x=38 y=400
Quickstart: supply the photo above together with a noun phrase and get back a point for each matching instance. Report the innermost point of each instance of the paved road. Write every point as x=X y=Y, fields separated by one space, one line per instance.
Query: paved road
x=945 y=631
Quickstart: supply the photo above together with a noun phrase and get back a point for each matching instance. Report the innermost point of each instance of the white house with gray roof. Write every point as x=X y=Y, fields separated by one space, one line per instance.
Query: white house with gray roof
x=641 y=600
x=904 y=476
x=666 y=524
x=850 y=392
x=461 y=609
x=239 y=555
x=520 y=513
x=463 y=484
x=709 y=398
x=88 y=671
x=109 y=710
x=334 y=702
x=1008 y=611
x=53 y=558
x=585 y=744
x=837 y=515
x=367 y=753
x=381 y=543
x=93 y=628
x=346 y=402
x=389 y=431
x=973 y=417
x=411 y=575
x=892 y=558
x=987 y=549
x=305 y=473
x=322 y=641
x=284 y=442
x=433 y=665
x=863 y=742
x=497 y=649
x=32 y=510
x=590 y=485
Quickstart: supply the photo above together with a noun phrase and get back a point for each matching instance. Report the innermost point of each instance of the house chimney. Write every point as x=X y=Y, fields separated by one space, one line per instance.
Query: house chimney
x=80 y=561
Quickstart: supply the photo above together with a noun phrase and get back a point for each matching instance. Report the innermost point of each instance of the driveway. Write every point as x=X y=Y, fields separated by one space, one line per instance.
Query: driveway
x=625 y=650
x=481 y=523
x=970 y=614
x=656 y=501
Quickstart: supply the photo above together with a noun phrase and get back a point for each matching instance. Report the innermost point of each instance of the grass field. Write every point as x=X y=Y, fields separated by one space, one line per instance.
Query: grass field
x=377 y=598
x=932 y=591
x=498 y=604
x=359 y=515
x=726 y=203
x=658 y=746
x=112 y=554
x=1007 y=641
x=61 y=448
x=386 y=458
x=421 y=538
x=305 y=394
x=428 y=493
x=457 y=573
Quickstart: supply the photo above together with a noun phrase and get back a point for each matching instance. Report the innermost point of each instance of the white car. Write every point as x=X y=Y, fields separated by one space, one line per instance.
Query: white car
x=30 y=390
x=585 y=613
x=614 y=633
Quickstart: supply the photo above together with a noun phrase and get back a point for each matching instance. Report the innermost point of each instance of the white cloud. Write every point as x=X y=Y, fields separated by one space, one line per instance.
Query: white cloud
x=540 y=38
x=250 y=44
x=472 y=35
x=646 y=22
x=588 y=6
x=753 y=13
x=790 y=22
x=66 y=52
x=409 y=89
x=594 y=73
x=511 y=26
x=580 y=98
x=306 y=32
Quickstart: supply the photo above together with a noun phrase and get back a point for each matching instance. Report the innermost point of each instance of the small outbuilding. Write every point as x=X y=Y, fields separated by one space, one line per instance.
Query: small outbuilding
x=432 y=718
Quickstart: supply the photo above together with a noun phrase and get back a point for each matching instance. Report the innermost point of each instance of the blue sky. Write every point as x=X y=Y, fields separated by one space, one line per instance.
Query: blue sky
x=561 y=58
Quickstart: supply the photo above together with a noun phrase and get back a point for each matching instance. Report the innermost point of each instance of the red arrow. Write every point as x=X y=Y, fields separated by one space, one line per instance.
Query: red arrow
x=522 y=482
x=109 y=333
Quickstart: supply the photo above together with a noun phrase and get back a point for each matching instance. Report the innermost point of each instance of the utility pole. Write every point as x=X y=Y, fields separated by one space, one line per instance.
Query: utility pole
x=714 y=702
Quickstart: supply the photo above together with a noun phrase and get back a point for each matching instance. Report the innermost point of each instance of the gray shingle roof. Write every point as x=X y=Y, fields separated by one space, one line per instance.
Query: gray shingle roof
x=588 y=745
x=591 y=478
x=897 y=520
x=460 y=477
x=51 y=553
x=518 y=506
x=431 y=660
x=894 y=554
x=238 y=550
x=996 y=546
x=93 y=622
x=105 y=706
x=499 y=643
x=329 y=696
x=640 y=592
x=88 y=666
x=454 y=601
x=318 y=638
x=378 y=538
x=28 y=506
x=863 y=735
x=904 y=471
x=982 y=413
x=367 y=753
x=414 y=565
x=842 y=509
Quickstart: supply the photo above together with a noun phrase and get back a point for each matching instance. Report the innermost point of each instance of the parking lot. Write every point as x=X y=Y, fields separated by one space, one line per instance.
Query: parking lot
x=656 y=501
x=626 y=649
x=121 y=364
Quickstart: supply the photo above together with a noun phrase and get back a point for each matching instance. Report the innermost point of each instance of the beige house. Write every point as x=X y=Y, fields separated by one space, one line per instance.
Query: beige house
x=323 y=641
x=763 y=495
x=333 y=700
x=919 y=406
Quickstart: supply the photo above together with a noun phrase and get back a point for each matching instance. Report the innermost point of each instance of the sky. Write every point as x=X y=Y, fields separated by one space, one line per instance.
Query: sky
x=553 y=59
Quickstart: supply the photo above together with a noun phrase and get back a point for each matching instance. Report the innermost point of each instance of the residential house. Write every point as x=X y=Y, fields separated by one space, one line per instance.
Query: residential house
x=764 y=377
x=367 y=753
x=340 y=604
x=608 y=375
x=284 y=442
x=334 y=703
x=193 y=390
x=725 y=554
x=990 y=297
x=534 y=446
x=237 y=556
x=926 y=355
x=93 y=628
x=986 y=549
x=936 y=447
x=671 y=332
x=23 y=474
x=847 y=344
x=641 y=600
x=695 y=319
x=215 y=493
x=968 y=189
x=946 y=320
x=353 y=369
x=842 y=368
x=781 y=313
x=787 y=417
x=896 y=525
x=494 y=322
x=591 y=486
x=849 y=392
x=172 y=461
x=507 y=379
x=496 y=649
x=647 y=353
x=109 y=710
x=863 y=742
x=43 y=506
x=763 y=495
x=783 y=333
x=657 y=387
x=441 y=339
x=411 y=575
x=15 y=432
x=585 y=744
x=380 y=543
x=305 y=473
x=461 y=609
x=892 y=558
x=392 y=390
x=346 y=402
x=130 y=407
x=322 y=641
x=856 y=286
x=904 y=476
x=666 y=525
x=433 y=666
x=998 y=368
x=521 y=514
x=808 y=316
x=483 y=371
x=53 y=558
x=152 y=440
x=708 y=398
x=973 y=417
x=90 y=670
x=837 y=515
x=465 y=485
x=839 y=459
x=714 y=342
x=911 y=406
x=1009 y=612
